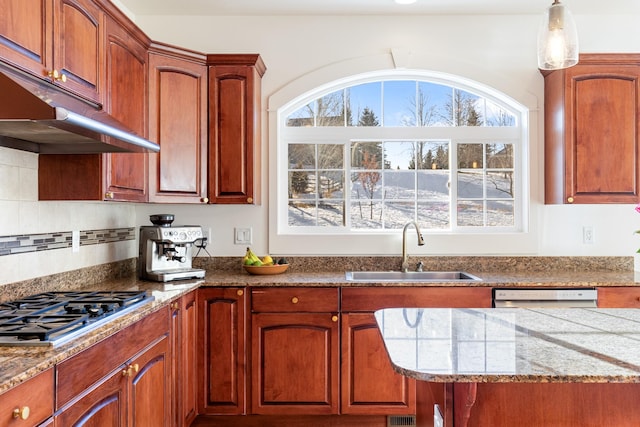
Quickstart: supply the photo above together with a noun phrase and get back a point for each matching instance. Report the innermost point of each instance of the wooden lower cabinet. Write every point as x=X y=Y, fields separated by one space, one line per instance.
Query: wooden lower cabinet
x=124 y=380
x=184 y=335
x=222 y=359
x=30 y=403
x=619 y=297
x=529 y=404
x=295 y=351
x=105 y=405
x=295 y=363
x=314 y=354
x=369 y=383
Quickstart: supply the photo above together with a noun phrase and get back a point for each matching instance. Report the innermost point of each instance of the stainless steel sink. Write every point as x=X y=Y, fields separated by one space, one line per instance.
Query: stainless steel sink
x=410 y=276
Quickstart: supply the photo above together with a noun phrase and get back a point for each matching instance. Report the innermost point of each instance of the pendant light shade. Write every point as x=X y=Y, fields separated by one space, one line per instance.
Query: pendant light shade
x=557 y=39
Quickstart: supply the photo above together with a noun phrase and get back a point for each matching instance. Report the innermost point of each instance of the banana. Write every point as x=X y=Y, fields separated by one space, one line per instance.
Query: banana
x=251 y=259
x=246 y=260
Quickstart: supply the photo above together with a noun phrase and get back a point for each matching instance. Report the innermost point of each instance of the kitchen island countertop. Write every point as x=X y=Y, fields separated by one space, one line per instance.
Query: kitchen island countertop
x=575 y=345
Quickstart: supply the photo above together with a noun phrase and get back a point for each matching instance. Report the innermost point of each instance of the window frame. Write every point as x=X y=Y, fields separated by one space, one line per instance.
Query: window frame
x=344 y=135
x=283 y=239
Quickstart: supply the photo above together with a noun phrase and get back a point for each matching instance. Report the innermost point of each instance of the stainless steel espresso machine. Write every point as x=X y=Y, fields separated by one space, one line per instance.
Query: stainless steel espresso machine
x=166 y=252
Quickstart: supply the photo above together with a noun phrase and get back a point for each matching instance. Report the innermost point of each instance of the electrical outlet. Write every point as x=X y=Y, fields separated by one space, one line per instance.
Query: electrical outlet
x=588 y=235
x=242 y=236
x=75 y=241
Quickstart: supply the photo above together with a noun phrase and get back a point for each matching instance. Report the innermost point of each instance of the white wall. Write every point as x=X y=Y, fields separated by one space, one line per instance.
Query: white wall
x=495 y=50
x=22 y=213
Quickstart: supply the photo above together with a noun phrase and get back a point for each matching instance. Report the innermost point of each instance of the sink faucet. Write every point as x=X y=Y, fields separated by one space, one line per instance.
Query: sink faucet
x=405 y=263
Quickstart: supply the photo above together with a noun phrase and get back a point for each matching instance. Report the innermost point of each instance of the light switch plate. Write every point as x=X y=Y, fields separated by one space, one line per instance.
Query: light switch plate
x=242 y=236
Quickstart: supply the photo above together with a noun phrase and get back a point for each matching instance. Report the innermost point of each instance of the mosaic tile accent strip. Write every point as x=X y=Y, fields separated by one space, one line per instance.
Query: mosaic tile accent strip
x=11 y=245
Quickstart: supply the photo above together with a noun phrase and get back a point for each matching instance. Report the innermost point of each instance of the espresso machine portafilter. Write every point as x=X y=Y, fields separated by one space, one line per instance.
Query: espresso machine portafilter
x=166 y=252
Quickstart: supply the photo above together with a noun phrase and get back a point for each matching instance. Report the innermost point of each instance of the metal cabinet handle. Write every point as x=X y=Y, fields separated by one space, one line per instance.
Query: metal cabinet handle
x=294 y=300
x=570 y=200
x=22 y=413
x=240 y=292
x=334 y=318
x=249 y=199
x=108 y=195
x=204 y=200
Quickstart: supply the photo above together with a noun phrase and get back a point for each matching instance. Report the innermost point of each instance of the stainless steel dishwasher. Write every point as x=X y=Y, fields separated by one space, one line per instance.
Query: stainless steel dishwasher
x=545 y=297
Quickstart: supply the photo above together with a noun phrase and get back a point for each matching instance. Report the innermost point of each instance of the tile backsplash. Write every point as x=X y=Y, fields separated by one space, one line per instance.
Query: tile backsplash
x=11 y=245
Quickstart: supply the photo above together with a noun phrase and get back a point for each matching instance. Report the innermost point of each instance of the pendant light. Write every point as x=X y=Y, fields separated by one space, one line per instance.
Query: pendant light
x=557 y=39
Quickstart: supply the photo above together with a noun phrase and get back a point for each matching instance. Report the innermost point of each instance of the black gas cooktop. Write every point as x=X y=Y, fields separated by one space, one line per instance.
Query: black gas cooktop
x=51 y=318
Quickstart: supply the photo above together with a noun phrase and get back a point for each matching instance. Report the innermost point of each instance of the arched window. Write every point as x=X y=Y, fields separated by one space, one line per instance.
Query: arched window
x=370 y=153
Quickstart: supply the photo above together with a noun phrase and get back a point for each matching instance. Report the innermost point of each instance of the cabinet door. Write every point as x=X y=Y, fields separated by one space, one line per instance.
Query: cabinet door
x=150 y=403
x=222 y=358
x=78 y=47
x=592 y=151
x=104 y=406
x=184 y=335
x=370 y=385
x=178 y=122
x=26 y=27
x=234 y=126
x=126 y=77
x=28 y=404
x=295 y=363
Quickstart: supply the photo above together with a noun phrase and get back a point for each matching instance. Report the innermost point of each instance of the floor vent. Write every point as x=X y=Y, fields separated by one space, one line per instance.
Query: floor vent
x=401 y=420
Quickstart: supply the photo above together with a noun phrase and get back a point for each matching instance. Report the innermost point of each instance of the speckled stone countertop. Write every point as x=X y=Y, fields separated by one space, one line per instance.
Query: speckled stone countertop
x=513 y=345
x=513 y=279
x=17 y=364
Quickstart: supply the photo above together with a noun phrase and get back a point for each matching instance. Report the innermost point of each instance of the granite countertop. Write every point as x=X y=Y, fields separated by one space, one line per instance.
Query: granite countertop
x=585 y=345
x=21 y=363
x=502 y=279
x=18 y=364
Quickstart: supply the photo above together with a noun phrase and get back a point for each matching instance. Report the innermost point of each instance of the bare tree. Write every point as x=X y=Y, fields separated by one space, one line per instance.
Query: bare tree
x=370 y=178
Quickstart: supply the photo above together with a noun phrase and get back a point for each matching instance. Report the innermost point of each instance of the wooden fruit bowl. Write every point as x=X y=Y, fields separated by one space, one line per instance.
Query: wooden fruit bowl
x=266 y=269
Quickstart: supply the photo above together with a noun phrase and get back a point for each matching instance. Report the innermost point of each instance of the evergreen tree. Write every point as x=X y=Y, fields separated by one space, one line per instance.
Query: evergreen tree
x=368 y=118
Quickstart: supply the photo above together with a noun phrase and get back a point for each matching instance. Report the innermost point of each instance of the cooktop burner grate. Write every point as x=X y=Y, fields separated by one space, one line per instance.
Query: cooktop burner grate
x=50 y=317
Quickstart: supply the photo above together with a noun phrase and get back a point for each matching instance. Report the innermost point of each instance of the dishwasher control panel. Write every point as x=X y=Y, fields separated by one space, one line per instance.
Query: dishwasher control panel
x=545 y=297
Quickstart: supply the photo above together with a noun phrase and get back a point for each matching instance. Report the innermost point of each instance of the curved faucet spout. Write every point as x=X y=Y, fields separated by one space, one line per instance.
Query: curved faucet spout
x=405 y=263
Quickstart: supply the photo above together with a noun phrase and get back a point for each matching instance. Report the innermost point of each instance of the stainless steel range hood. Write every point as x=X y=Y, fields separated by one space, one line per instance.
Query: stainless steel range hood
x=39 y=117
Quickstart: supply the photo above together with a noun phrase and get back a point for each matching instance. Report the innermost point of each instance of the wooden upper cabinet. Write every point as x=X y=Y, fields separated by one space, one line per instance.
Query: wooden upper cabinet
x=592 y=112
x=178 y=123
x=113 y=176
x=78 y=47
x=58 y=40
x=126 y=175
x=26 y=33
x=234 y=128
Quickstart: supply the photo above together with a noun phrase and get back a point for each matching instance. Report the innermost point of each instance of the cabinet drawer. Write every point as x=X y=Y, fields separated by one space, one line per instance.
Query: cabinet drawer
x=34 y=398
x=286 y=300
x=77 y=374
x=619 y=297
x=371 y=299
